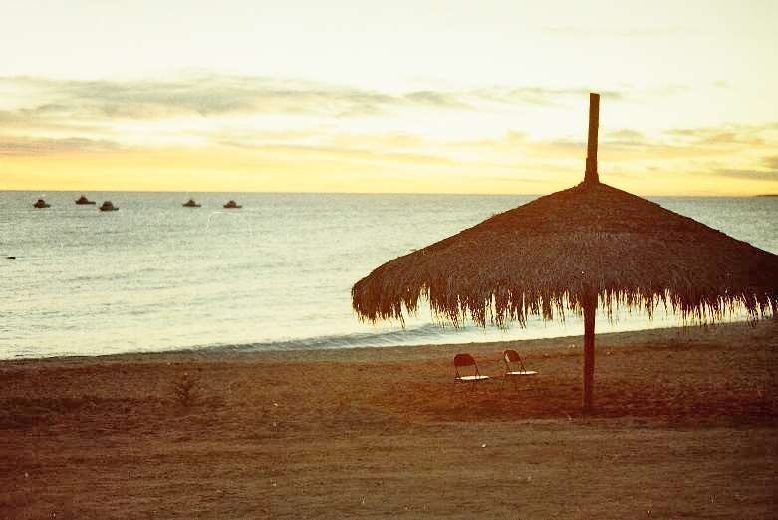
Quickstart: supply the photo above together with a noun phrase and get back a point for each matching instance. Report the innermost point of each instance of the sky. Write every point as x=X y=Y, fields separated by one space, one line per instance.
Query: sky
x=401 y=96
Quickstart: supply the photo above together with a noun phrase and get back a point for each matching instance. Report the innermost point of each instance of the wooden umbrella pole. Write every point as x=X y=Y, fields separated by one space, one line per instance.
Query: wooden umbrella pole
x=589 y=308
x=591 y=175
x=590 y=298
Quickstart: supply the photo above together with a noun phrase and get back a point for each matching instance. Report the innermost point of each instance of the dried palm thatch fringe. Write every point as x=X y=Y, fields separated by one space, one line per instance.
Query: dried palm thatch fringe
x=547 y=256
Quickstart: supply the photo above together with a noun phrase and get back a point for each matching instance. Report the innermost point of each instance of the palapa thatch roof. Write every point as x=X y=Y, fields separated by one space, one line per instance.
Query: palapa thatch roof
x=544 y=257
x=589 y=246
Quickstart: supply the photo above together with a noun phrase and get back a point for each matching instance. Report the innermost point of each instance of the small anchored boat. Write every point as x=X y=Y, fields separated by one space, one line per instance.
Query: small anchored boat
x=190 y=204
x=108 y=206
x=83 y=200
x=40 y=204
x=232 y=205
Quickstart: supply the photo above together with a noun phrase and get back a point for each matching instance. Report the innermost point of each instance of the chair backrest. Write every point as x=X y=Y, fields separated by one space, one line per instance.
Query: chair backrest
x=464 y=360
x=511 y=356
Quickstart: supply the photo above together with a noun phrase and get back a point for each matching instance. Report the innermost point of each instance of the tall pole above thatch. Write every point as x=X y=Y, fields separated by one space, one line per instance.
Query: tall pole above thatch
x=591 y=154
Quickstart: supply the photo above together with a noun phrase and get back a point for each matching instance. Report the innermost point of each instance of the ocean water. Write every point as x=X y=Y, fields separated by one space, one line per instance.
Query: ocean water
x=276 y=274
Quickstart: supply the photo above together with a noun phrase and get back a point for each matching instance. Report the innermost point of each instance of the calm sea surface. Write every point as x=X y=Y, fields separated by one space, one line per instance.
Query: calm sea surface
x=276 y=274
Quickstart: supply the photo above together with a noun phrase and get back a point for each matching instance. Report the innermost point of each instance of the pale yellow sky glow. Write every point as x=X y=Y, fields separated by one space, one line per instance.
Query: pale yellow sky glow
x=402 y=96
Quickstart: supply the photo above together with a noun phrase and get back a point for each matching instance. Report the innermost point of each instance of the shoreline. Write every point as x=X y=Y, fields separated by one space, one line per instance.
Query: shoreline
x=682 y=415
x=231 y=351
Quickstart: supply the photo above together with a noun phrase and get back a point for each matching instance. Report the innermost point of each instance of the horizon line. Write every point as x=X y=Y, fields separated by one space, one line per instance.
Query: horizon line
x=369 y=193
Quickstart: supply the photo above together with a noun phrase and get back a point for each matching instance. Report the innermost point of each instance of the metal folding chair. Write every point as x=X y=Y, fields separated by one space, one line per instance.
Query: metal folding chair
x=514 y=367
x=461 y=373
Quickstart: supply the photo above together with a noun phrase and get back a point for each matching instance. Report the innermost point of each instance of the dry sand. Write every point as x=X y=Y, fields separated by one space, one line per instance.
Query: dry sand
x=686 y=427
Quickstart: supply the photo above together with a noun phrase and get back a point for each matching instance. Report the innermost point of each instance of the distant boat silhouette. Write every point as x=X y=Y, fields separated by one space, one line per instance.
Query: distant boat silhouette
x=41 y=204
x=83 y=200
x=190 y=204
x=108 y=206
x=232 y=205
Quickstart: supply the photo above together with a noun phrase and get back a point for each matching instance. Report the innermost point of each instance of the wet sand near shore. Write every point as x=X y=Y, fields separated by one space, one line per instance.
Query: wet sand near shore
x=686 y=426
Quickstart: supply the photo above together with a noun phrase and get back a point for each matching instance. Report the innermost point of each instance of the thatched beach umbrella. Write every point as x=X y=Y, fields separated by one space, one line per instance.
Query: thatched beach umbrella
x=586 y=247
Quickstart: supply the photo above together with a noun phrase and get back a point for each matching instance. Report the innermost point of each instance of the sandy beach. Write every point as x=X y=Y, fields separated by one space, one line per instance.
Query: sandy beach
x=686 y=426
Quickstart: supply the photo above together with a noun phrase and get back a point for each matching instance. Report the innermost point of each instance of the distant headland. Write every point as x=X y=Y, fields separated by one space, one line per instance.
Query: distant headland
x=768 y=195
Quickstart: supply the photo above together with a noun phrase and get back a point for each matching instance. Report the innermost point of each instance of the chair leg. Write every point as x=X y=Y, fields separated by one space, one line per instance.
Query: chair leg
x=454 y=390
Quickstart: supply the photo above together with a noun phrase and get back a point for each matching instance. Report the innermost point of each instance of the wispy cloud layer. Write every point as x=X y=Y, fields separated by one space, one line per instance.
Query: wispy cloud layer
x=726 y=135
x=752 y=175
x=771 y=162
x=28 y=146
x=201 y=95
x=536 y=95
x=213 y=95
